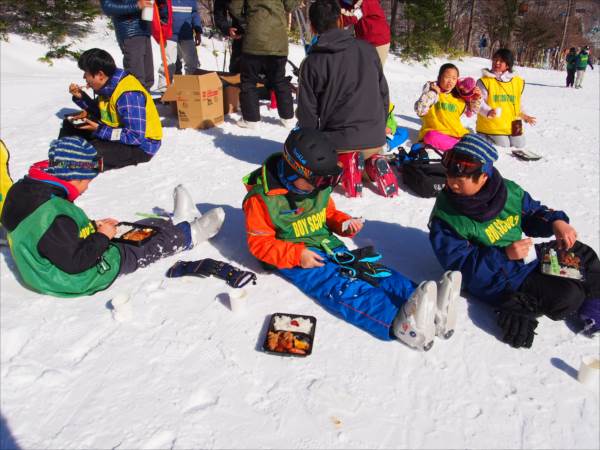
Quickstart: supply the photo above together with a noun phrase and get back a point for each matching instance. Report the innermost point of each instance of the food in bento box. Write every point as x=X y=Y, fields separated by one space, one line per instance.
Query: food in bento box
x=138 y=234
x=286 y=342
x=289 y=323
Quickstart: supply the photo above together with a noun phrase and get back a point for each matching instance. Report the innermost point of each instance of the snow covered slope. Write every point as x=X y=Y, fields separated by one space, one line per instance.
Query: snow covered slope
x=186 y=372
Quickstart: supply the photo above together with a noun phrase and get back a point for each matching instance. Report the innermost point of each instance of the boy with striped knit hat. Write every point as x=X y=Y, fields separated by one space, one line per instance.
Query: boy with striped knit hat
x=59 y=251
x=477 y=227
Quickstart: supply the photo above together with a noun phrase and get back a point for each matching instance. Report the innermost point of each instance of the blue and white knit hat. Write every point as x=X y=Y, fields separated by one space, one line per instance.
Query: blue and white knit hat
x=73 y=158
x=479 y=149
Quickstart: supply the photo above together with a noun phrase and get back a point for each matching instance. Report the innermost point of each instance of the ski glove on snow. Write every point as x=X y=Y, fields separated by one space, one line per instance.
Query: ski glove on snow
x=516 y=317
x=233 y=276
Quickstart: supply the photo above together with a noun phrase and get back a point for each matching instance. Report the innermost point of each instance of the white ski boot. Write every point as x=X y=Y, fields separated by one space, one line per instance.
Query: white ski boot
x=415 y=323
x=207 y=226
x=448 y=292
x=184 y=209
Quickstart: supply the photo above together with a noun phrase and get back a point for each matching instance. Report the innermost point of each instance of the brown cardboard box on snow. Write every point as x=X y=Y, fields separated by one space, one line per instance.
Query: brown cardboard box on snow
x=199 y=100
x=231 y=89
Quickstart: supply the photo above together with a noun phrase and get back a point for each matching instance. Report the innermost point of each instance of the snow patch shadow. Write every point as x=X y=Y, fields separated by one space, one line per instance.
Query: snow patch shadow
x=251 y=149
x=566 y=368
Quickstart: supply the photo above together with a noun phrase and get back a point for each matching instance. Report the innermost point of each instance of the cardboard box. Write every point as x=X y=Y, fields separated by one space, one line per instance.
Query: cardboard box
x=231 y=89
x=199 y=100
x=231 y=92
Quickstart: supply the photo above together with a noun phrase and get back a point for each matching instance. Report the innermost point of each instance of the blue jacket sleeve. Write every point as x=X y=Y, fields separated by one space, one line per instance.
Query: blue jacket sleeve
x=116 y=8
x=537 y=218
x=196 y=22
x=487 y=272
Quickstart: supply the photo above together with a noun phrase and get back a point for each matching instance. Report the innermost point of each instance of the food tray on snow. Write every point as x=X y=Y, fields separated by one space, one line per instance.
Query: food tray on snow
x=290 y=335
x=134 y=233
x=561 y=263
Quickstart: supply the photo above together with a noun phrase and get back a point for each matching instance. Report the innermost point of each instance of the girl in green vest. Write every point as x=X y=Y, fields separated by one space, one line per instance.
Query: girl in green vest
x=501 y=108
x=477 y=227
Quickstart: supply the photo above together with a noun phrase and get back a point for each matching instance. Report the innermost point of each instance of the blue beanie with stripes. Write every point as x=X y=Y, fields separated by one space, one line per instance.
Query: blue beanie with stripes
x=73 y=158
x=479 y=149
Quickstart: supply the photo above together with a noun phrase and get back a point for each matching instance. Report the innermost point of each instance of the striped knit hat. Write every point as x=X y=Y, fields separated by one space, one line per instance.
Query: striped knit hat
x=479 y=149
x=73 y=158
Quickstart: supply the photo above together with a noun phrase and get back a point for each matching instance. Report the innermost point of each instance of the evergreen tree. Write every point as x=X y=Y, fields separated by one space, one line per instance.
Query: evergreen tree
x=427 y=32
x=51 y=20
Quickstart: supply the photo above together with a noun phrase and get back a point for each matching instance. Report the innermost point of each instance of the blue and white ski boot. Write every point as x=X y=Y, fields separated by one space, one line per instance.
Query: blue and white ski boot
x=415 y=323
x=448 y=292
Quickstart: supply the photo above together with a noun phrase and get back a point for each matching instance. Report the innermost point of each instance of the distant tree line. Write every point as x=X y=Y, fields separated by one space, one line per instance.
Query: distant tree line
x=538 y=31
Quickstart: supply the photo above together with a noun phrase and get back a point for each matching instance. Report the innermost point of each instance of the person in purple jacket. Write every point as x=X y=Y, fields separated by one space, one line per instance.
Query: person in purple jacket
x=187 y=34
x=122 y=122
x=477 y=227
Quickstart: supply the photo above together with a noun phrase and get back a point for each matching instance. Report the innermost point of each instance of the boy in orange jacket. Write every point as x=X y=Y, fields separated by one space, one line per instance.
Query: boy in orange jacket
x=290 y=222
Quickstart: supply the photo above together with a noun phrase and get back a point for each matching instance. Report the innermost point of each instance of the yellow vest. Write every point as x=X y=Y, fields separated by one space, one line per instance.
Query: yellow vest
x=110 y=116
x=444 y=116
x=5 y=180
x=507 y=96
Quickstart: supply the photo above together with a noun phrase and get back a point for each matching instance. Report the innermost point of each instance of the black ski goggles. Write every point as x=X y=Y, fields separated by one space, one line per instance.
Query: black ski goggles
x=459 y=165
x=323 y=182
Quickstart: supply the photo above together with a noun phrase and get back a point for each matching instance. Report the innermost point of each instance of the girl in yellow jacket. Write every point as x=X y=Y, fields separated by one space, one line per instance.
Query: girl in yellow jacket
x=440 y=108
x=501 y=111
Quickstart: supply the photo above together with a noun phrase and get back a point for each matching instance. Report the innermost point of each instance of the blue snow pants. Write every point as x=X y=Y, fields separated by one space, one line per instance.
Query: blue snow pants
x=370 y=308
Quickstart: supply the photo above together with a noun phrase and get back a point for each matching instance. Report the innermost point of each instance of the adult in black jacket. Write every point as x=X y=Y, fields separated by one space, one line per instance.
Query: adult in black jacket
x=231 y=29
x=342 y=90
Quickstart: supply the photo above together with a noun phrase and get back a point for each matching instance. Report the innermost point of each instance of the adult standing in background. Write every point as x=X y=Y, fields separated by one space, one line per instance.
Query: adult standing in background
x=187 y=34
x=133 y=36
x=583 y=60
x=370 y=24
x=571 y=60
x=231 y=29
x=264 y=51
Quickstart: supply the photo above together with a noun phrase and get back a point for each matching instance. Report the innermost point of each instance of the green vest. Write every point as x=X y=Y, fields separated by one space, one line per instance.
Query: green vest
x=305 y=224
x=39 y=273
x=582 y=61
x=500 y=231
x=571 y=60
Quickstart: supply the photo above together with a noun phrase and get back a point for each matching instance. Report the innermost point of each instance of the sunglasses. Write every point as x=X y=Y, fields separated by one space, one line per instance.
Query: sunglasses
x=458 y=166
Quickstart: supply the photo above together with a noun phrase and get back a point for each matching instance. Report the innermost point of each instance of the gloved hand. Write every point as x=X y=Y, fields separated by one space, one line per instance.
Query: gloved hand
x=518 y=330
x=517 y=318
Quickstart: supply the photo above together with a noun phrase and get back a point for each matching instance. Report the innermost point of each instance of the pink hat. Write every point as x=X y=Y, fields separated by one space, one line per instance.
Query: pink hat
x=466 y=85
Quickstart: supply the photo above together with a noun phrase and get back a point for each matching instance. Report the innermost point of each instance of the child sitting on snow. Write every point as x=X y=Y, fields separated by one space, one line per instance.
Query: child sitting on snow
x=59 y=251
x=122 y=122
x=290 y=223
x=467 y=89
x=440 y=107
x=343 y=92
x=476 y=227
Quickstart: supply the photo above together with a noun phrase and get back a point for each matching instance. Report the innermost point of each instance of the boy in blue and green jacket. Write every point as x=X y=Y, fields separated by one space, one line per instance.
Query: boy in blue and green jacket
x=476 y=227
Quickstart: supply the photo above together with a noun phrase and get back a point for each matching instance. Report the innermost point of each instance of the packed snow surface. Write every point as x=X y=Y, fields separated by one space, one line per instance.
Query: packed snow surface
x=185 y=372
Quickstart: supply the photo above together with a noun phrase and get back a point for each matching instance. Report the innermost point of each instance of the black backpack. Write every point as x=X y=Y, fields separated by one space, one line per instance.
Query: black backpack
x=425 y=177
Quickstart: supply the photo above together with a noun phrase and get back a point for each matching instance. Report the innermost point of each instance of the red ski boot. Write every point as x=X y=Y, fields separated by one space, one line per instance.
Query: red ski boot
x=380 y=173
x=354 y=164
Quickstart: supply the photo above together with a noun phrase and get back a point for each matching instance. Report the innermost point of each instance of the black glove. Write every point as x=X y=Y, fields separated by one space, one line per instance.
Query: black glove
x=516 y=317
x=233 y=276
x=362 y=263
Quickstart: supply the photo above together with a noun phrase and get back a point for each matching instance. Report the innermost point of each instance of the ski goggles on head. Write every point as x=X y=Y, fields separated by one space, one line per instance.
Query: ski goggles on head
x=459 y=165
x=318 y=181
x=96 y=164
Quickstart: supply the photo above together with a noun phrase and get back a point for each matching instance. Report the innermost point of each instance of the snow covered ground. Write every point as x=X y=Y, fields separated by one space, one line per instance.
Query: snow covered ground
x=186 y=372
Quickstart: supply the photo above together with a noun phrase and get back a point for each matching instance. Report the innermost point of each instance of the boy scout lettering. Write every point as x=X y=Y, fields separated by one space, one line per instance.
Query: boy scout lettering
x=500 y=227
x=309 y=224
